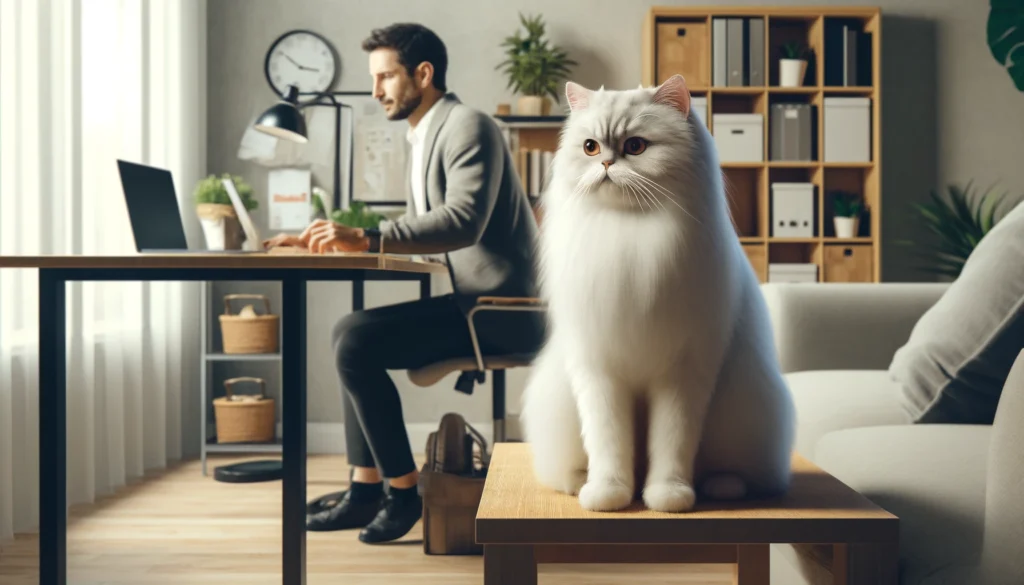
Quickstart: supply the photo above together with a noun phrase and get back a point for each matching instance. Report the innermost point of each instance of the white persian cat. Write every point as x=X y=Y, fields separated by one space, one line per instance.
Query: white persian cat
x=658 y=330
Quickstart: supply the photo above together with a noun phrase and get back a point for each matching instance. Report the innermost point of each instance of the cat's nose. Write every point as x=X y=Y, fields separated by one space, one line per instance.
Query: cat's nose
x=607 y=163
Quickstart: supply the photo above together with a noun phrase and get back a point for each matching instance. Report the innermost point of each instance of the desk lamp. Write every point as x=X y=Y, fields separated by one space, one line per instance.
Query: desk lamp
x=284 y=120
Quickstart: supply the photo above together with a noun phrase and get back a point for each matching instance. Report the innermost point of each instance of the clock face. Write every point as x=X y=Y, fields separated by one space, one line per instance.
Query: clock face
x=303 y=59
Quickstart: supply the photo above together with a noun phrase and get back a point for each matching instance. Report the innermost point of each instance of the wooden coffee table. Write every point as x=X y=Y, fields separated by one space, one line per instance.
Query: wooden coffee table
x=521 y=524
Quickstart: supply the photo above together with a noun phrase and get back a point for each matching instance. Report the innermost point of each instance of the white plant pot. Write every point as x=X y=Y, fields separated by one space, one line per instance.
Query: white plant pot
x=221 y=228
x=846 y=227
x=791 y=72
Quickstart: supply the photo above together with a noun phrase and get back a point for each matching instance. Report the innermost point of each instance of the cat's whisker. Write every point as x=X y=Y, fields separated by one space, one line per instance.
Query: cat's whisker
x=666 y=194
x=637 y=188
x=650 y=197
x=626 y=184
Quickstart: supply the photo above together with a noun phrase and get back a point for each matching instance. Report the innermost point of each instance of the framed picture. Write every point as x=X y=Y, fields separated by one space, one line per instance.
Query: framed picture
x=377 y=152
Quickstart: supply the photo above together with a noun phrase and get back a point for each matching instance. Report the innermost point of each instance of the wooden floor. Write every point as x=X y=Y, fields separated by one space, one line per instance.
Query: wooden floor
x=179 y=527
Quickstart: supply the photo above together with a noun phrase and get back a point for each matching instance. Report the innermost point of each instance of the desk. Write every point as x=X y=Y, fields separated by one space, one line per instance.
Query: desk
x=292 y=268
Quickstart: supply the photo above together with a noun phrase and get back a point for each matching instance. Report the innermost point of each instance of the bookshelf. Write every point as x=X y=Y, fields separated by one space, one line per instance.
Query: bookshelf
x=532 y=141
x=680 y=39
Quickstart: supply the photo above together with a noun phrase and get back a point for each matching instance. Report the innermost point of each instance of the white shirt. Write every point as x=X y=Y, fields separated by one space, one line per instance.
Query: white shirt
x=416 y=137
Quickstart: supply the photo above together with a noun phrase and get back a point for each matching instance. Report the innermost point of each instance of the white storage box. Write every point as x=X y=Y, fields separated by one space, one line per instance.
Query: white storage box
x=792 y=272
x=793 y=210
x=699 y=106
x=847 y=129
x=739 y=137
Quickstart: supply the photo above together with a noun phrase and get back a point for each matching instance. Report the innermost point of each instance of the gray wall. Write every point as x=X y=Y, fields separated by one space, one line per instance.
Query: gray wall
x=949 y=113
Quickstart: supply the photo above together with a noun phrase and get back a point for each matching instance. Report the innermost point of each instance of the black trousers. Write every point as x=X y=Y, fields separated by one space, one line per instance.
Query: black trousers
x=407 y=336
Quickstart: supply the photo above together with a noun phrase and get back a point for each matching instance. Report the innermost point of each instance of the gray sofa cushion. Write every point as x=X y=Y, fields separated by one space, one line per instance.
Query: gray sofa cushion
x=832 y=400
x=953 y=367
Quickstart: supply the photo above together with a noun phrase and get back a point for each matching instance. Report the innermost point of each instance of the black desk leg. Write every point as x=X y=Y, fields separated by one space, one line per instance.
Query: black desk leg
x=425 y=287
x=293 y=355
x=53 y=483
x=358 y=294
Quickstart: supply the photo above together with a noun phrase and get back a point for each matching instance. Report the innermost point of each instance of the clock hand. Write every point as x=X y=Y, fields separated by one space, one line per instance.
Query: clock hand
x=292 y=60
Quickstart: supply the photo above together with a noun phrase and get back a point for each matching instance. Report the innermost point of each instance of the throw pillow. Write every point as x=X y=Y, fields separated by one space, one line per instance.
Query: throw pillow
x=954 y=366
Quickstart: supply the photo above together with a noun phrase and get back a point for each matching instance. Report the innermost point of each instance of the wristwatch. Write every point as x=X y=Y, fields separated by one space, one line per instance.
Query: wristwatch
x=374 y=236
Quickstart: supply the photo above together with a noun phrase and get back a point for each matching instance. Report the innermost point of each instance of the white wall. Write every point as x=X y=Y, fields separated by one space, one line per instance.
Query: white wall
x=949 y=113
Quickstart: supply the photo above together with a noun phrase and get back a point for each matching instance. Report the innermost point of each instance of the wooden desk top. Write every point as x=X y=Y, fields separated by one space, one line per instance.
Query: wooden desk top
x=817 y=509
x=277 y=258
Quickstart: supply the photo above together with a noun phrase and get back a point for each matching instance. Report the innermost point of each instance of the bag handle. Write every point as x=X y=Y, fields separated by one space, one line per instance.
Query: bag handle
x=232 y=297
x=232 y=381
x=485 y=456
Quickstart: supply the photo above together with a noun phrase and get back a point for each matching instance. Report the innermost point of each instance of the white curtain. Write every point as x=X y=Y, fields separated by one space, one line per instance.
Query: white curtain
x=85 y=82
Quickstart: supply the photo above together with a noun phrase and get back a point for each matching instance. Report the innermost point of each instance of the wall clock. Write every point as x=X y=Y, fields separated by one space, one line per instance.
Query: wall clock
x=304 y=59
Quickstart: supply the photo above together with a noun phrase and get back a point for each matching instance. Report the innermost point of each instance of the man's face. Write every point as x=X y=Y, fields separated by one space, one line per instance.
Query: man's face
x=399 y=93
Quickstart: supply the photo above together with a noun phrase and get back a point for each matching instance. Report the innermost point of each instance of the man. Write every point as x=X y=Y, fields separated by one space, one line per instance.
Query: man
x=465 y=203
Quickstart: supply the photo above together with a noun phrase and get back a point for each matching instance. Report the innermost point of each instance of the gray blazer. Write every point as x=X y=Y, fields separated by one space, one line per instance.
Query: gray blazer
x=477 y=215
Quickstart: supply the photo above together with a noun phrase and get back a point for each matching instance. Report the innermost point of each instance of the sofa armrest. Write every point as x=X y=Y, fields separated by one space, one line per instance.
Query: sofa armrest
x=845 y=326
x=1004 y=510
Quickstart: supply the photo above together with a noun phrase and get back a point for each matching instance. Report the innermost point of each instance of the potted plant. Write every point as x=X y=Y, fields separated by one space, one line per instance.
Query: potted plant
x=793 y=64
x=534 y=68
x=846 y=209
x=357 y=216
x=957 y=223
x=216 y=213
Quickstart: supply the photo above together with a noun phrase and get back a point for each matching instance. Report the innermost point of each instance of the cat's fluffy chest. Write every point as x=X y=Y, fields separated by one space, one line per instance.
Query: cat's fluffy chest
x=622 y=280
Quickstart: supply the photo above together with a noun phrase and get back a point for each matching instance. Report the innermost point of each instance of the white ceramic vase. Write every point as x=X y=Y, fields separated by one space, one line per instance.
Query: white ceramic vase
x=846 y=227
x=791 y=72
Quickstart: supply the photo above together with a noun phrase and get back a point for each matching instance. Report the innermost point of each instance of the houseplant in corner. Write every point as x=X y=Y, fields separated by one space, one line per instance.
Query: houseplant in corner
x=846 y=208
x=793 y=64
x=221 y=227
x=1005 y=35
x=535 y=69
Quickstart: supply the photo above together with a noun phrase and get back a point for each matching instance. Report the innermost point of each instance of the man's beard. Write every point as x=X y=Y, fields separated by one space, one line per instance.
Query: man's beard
x=406 y=107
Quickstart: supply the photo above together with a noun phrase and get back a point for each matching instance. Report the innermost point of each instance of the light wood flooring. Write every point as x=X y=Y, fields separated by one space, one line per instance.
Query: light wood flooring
x=177 y=527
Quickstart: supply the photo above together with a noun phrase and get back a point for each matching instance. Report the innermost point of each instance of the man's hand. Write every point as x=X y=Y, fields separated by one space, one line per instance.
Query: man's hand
x=325 y=236
x=283 y=240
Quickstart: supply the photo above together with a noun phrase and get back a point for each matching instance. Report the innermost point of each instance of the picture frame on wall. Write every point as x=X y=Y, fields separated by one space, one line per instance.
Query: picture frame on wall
x=379 y=153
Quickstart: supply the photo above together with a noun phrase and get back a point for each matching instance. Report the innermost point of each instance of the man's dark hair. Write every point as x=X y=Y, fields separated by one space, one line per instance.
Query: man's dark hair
x=414 y=44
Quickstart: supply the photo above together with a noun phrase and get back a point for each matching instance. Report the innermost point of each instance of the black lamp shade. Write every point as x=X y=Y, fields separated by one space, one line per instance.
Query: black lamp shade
x=283 y=120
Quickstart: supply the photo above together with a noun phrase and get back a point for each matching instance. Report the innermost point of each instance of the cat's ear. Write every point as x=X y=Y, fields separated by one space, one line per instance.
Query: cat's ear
x=673 y=92
x=577 y=96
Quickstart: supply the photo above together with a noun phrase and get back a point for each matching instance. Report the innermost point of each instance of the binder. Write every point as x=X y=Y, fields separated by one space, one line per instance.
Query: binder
x=719 y=72
x=735 y=59
x=755 y=52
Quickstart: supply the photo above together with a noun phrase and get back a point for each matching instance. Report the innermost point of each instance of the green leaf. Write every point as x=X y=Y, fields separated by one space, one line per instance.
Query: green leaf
x=1005 y=35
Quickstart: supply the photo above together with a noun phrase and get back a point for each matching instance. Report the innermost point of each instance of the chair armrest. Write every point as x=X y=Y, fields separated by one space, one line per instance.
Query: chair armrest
x=528 y=304
x=1004 y=510
x=844 y=326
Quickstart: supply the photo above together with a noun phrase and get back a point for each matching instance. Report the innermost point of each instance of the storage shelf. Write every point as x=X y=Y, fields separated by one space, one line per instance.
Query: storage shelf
x=243 y=357
x=682 y=39
x=212 y=446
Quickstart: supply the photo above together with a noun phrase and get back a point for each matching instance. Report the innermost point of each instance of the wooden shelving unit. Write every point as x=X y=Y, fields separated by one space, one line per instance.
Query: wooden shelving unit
x=679 y=39
x=526 y=133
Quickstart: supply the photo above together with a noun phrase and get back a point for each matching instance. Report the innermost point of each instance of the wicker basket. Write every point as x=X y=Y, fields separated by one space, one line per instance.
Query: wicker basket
x=244 y=418
x=249 y=334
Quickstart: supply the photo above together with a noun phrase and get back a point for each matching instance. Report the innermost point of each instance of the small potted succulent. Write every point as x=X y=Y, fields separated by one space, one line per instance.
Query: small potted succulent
x=221 y=226
x=535 y=70
x=846 y=208
x=793 y=64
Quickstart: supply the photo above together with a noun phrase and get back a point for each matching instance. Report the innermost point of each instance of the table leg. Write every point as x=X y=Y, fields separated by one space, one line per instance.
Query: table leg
x=52 y=430
x=513 y=564
x=425 y=287
x=866 y=564
x=752 y=565
x=293 y=356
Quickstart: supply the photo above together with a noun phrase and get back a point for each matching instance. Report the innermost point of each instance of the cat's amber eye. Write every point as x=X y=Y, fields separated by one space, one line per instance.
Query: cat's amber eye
x=591 y=147
x=635 y=145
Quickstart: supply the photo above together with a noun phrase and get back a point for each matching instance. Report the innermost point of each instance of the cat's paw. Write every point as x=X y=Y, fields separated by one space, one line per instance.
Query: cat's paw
x=669 y=496
x=605 y=496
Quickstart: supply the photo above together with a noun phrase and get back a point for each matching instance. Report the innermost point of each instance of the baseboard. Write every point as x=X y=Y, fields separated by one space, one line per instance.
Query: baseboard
x=329 y=438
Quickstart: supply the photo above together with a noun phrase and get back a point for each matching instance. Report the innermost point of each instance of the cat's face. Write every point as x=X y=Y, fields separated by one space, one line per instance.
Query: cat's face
x=627 y=149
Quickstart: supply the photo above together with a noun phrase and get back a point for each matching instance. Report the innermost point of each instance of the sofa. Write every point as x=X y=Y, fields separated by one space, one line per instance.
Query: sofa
x=957 y=488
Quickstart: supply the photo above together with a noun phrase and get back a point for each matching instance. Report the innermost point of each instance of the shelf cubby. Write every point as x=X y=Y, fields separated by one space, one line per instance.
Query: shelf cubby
x=742 y=189
x=805 y=29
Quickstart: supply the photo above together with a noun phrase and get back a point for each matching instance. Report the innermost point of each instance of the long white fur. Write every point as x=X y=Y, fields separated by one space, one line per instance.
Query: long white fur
x=650 y=294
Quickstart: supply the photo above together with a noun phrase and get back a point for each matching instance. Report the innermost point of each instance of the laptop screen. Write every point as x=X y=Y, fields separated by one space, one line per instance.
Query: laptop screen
x=152 y=207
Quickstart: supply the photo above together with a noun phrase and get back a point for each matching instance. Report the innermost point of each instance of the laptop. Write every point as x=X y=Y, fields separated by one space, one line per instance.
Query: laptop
x=155 y=218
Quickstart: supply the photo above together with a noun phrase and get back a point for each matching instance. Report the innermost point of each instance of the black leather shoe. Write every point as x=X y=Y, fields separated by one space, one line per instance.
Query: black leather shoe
x=396 y=518
x=345 y=515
